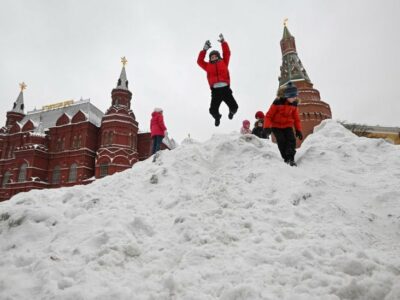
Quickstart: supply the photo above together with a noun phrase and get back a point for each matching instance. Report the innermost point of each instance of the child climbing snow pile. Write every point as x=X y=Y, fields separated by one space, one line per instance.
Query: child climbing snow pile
x=280 y=119
x=258 y=129
x=246 y=127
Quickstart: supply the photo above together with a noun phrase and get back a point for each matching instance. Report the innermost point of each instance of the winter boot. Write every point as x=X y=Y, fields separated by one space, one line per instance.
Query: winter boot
x=292 y=163
x=217 y=121
x=231 y=114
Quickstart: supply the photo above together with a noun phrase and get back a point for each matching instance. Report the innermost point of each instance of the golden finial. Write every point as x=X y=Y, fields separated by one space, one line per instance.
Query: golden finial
x=285 y=22
x=23 y=86
x=124 y=61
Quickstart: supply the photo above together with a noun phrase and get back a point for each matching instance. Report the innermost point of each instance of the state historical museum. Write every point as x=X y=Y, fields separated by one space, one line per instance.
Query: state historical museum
x=69 y=143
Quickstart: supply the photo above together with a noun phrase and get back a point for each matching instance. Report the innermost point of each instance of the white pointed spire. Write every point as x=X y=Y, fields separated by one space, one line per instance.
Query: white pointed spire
x=123 y=81
x=19 y=103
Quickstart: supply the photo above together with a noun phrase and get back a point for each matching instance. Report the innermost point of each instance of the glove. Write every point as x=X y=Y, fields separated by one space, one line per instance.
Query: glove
x=207 y=45
x=221 y=38
x=299 y=135
x=267 y=132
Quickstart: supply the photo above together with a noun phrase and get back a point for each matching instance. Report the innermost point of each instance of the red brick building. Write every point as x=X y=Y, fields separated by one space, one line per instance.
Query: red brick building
x=312 y=109
x=69 y=143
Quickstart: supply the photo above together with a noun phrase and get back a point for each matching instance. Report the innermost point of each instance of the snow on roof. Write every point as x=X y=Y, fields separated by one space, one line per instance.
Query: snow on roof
x=224 y=219
x=48 y=118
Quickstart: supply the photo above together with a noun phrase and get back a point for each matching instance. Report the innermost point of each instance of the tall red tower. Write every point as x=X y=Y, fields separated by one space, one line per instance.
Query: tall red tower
x=312 y=110
x=118 y=132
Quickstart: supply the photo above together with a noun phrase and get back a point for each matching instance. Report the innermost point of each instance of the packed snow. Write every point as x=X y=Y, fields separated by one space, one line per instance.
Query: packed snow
x=224 y=219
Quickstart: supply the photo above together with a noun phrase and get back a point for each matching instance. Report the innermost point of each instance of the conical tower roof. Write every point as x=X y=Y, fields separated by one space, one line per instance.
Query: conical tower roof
x=18 y=106
x=292 y=68
x=286 y=33
x=123 y=81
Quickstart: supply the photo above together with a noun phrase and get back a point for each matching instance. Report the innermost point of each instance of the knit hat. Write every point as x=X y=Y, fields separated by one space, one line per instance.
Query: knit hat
x=246 y=122
x=214 y=52
x=291 y=90
x=157 y=109
x=259 y=115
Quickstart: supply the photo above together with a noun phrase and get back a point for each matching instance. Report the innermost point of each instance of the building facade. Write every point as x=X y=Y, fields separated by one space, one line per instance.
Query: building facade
x=389 y=134
x=311 y=108
x=69 y=143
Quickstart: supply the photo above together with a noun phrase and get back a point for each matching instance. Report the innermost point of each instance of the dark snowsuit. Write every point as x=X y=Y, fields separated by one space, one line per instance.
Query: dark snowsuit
x=217 y=96
x=258 y=129
x=286 y=142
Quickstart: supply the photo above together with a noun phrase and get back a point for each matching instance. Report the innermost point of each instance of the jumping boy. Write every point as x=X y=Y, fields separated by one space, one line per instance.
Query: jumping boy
x=218 y=78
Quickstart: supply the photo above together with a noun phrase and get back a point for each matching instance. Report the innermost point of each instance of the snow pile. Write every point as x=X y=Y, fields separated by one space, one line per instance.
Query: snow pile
x=225 y=219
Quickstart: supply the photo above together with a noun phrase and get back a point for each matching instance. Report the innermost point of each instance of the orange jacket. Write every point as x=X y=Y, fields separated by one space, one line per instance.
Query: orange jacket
x=218 y=71
x=282 y=114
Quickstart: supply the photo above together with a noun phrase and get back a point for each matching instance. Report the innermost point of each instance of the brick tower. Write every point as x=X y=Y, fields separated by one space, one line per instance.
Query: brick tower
x=312 y=110
x=118 y=132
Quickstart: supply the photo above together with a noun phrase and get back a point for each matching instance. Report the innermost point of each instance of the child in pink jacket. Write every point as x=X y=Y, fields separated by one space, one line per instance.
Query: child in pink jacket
x=157 y=128
x=246 y=127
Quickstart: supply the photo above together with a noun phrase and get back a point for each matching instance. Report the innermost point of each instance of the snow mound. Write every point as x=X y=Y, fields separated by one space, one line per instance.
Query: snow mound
x=225 y=219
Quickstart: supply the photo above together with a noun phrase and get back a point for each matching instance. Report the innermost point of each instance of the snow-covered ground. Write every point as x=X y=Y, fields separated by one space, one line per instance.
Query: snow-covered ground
x=225 y=219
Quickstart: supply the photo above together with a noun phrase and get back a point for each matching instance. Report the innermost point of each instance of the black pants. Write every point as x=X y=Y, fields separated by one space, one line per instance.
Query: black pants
x=222 y=94
x=157 y=139
x=286 y=142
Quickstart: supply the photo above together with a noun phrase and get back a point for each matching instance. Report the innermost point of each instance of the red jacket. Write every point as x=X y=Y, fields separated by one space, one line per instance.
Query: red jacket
x=282 y=114
x=157 y=126
x=218 y=71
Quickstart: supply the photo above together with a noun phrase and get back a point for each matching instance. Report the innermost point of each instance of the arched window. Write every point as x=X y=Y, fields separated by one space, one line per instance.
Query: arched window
x=10 y=151
x=63 y=144
x=56 y=175
x=79 y=144
x=72 y=173
x=103 y=169
x=58 y=144
x=106 y=134
x=6 y=178
x=110 y=138
x=74 y=142
x=22 y=173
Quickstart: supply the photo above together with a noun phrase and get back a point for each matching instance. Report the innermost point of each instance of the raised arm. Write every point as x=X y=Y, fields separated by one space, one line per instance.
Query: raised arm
x=202 y=55
x=200 y=60
x=226 y=52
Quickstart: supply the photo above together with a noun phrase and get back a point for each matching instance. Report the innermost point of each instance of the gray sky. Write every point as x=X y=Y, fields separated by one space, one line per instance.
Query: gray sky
x=71 y=49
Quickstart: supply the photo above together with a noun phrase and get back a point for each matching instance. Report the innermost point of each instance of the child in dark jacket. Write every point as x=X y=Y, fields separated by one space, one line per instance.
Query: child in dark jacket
x=280 y=119
x=258 y=129
x=218 y=78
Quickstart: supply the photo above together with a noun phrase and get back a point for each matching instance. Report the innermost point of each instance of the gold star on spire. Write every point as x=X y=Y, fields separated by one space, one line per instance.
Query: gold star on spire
x=23 y=86
x=285 y=22
x=124 y=61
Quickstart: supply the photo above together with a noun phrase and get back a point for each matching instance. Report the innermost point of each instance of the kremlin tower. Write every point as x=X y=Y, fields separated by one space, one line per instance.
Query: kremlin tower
x=311 y=109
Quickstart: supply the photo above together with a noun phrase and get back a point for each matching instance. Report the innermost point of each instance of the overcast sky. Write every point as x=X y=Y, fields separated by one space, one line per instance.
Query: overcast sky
x=72 y=49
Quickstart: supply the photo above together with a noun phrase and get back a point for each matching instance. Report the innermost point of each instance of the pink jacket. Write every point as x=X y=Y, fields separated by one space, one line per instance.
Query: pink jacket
x=157 y=126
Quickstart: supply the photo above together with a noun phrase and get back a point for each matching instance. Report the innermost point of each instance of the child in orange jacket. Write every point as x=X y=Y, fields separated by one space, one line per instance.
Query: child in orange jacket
x=280 y=119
